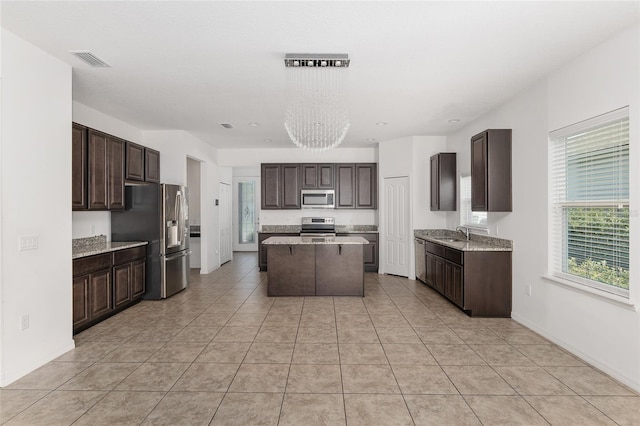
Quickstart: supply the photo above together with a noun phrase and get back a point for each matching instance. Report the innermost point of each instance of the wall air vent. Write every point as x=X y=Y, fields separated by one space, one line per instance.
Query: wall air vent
x=227 y=125
x=89 y=58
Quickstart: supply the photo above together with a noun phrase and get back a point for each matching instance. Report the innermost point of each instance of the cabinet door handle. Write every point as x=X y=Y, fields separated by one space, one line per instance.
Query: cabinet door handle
x=290 y=251
x=340 y=249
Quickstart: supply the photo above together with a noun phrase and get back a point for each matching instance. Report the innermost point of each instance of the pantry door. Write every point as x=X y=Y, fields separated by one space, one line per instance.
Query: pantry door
x=396 y=229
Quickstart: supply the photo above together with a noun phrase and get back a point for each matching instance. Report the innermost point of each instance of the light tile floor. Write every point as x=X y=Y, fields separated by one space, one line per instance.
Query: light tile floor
x=223 y=353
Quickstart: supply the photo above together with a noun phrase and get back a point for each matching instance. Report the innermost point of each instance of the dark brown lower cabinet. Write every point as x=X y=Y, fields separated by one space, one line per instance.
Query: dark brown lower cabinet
x=81 y=300
x=479 y=282
x=91 y=296
x=100 y=291
x=105 y=284
x=138 y=278
x=439 y=276
x=121 y=285
x=453 y=282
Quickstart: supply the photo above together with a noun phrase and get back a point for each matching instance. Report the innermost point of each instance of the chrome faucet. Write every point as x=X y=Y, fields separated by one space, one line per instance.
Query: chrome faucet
x=464 y=230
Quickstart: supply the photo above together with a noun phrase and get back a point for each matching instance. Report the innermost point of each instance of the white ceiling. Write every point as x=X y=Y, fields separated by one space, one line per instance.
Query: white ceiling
x=415 y=65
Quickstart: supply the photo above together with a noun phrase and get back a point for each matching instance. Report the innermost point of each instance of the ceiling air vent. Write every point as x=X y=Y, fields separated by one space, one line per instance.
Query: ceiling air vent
x=89 y=58
x=227 y=125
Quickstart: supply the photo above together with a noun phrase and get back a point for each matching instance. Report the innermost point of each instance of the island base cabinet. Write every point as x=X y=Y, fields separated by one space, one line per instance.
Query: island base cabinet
x=339 y=270
x=292 y=270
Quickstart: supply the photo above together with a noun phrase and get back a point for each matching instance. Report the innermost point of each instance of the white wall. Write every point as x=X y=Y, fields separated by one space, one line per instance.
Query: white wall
x=175 y=147
x=604 y=333
x=247 y=162
x=36 y=200
x=409 y=157
x=193 y=182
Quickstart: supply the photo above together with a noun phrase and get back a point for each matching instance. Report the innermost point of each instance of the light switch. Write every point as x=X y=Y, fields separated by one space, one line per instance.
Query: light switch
x=28 y=242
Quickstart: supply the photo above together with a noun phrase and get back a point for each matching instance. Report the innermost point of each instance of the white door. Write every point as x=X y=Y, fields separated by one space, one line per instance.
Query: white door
x=246 y=199
x=396 y=192
x=225 y=222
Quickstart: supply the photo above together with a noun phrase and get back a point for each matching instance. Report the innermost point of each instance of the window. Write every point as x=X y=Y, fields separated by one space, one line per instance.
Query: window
x=477 y=220
x=589 y=168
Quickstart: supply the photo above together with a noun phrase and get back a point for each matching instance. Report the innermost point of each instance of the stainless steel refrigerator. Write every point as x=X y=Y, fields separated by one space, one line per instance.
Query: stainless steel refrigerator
x=158 y=214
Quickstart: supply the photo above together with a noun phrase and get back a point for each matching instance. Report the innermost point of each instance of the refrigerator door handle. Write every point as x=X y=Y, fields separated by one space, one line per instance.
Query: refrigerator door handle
x=178 y=255
x=178 y=212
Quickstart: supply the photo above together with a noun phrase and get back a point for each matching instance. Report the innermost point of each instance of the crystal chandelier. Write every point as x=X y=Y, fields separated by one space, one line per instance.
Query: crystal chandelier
x=316 y=116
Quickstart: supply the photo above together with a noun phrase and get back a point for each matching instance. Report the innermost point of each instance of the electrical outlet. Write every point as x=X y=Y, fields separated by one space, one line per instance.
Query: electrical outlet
x=24 y=322
x=93 y=230
x=28 y=242
x=217 y=251
x=529 y=290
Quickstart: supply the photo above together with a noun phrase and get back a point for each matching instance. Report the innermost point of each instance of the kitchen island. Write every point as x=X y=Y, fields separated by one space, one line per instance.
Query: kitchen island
x=315 y=266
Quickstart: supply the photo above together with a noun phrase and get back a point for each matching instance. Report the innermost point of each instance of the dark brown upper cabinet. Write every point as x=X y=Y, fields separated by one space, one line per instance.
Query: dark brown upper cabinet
x=79 y=167
x=143 y=164
x=151 y=165
x=491 y=171
x=280 y=186
x=97 y=149
x=106 y=171
x=443 y=182
x=115 y=176
x=317 y=176
x=345 y=186
x=356 y=185
x=135 y=162
x=100 y=165
x=366 y=186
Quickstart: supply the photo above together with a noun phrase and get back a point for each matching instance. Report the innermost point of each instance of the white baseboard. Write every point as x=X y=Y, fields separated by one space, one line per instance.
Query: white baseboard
x=633 y=383
x=7 y=379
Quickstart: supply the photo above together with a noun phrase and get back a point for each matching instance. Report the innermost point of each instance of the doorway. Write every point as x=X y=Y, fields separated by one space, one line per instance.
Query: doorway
x=246 y=199
x=193 y=183
x=396 y=229
x=225 y=223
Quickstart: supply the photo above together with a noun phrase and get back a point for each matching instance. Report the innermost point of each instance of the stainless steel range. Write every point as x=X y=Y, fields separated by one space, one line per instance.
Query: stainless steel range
x=318 y=227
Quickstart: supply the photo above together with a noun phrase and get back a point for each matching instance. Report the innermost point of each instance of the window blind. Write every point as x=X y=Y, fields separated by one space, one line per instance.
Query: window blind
x=467 y=216
x=589 y=166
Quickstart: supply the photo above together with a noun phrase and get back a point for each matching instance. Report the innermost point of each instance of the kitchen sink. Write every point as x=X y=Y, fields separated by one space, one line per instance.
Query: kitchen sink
x=448 y=239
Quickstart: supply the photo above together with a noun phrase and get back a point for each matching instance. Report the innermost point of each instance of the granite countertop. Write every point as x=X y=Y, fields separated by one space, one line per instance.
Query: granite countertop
x=340 y=229
x=83 y=247
x=314 y=240
x=476 y=242
x=294 y=229
x=356 y=229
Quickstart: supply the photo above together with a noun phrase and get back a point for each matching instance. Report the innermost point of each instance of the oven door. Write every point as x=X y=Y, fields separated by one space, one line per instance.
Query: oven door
x=318 y=198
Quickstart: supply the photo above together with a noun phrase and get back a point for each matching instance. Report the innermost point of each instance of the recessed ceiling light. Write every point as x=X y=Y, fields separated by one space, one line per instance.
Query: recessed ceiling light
x=371 y=139
x=381 y=123
x=226 y=125
x=267 y=140
x=254 y=124
x=454 y=120
x=317 y=123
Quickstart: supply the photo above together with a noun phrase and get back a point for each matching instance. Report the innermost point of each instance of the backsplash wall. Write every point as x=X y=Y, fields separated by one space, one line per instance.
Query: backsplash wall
x=343 y=217
x=88 y=224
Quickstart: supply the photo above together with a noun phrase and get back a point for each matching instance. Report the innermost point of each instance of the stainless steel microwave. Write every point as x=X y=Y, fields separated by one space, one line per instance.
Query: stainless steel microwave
x=318 y=198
